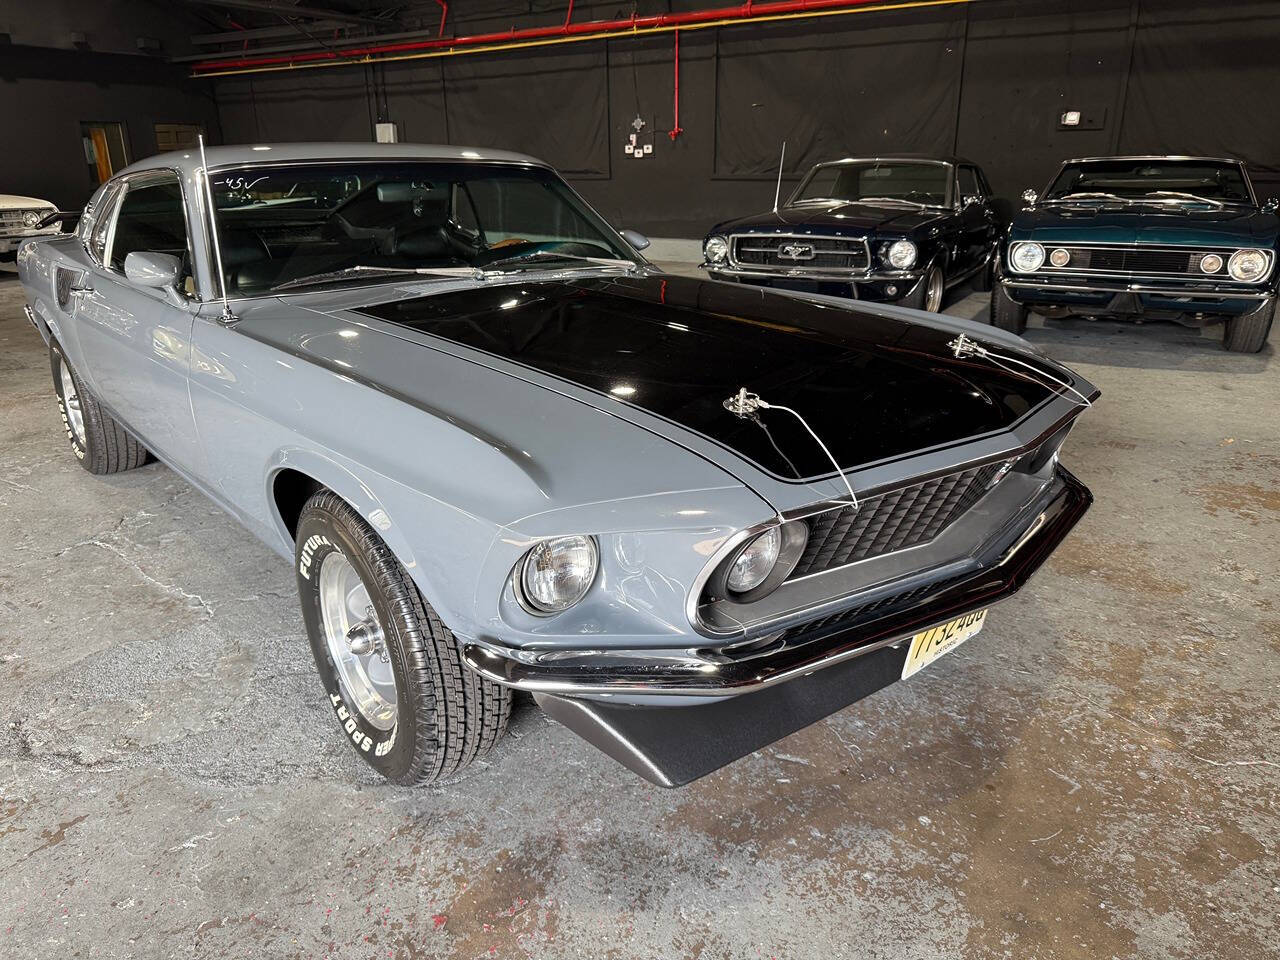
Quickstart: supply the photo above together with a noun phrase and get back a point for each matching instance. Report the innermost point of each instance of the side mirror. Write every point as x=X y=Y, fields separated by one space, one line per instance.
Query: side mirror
x=635 y=238
x=159 y=270
x=1030 y=197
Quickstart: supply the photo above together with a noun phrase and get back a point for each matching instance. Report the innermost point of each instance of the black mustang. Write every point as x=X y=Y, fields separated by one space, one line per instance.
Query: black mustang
x=889 y=229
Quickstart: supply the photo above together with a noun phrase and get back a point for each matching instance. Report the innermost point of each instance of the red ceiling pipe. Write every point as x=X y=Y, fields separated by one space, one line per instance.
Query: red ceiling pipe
x=746 y=11
x=569 y=16
x=444 y=13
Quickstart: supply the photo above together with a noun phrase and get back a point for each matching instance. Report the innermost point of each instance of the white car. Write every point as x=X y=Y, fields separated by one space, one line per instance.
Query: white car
x=19 y=217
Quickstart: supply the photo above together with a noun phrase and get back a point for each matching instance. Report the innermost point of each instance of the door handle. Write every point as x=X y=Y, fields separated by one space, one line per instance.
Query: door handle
x=75 y=291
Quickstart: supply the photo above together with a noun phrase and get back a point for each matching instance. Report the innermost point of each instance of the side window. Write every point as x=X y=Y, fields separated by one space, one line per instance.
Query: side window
x=967 y=181
x=151 y=219
x=983 y=184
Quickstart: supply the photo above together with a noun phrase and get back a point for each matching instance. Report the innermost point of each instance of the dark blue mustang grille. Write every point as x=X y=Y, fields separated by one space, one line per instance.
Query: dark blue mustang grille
x=814 y=253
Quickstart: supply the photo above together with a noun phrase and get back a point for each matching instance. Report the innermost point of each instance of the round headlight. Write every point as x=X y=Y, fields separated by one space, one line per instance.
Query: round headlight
x=1026 y=257
x=557 y=573
x=1060 y=257
x=754 y=562
x=716 y=249
x=31 y=218
x=1210 y=263
x=902 y=254
x=1247 y=265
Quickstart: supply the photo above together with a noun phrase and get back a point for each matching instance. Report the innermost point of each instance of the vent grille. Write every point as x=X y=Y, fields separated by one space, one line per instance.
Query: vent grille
x=895 y=602
x=1140 y=260
x=892 y=521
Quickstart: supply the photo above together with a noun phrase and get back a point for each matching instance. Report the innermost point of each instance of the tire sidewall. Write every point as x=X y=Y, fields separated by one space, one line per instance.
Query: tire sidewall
x=390 y=752
x=58 y=361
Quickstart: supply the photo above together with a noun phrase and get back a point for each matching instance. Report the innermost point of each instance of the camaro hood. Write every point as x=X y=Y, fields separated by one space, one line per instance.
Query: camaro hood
x=872 y=386
x=833 y=217
x=1150 y=223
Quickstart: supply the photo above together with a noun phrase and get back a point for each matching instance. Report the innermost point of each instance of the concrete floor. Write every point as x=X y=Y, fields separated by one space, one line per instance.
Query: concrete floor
x=1094 y=776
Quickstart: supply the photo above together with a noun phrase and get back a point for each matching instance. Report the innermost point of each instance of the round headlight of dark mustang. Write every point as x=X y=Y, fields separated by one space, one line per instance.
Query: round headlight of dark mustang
x=1247 y=265
x=760 y=564
x=557 y=573
x=901 y=254
x=716 y=249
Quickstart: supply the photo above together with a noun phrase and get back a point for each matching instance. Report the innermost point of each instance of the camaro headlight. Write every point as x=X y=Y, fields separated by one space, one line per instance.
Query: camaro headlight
x=1060 y=257
x=31 y=218
x=716 y=249
x=1026 y=256
x=1210 y=263
x=557 y=573
x=902 y=255
x=1247 y=265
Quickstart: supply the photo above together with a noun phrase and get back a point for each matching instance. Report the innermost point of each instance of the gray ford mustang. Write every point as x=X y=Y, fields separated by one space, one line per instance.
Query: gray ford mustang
x=504 y=452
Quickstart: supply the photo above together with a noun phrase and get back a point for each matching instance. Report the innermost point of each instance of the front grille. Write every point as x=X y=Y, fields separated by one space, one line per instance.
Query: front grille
x=891 y=521
x=1140 y=260
x=799 y=252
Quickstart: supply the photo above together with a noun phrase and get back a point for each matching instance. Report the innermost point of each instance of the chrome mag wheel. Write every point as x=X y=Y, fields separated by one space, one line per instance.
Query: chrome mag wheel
x=71 y=401
x=933 y=295
x=357 y=644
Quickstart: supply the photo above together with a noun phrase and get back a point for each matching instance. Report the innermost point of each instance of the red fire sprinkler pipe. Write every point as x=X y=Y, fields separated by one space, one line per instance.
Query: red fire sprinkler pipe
x=444 y=12
x=569 y=16
x=675 y=130
x=592 y=29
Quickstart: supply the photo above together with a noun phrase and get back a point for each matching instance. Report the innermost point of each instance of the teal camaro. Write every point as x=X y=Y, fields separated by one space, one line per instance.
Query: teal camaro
x=1169 y=238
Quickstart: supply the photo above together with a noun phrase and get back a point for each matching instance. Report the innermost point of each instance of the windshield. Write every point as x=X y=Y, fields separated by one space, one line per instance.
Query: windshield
x=359 y=222
x=1155 y=180
x=872 y=181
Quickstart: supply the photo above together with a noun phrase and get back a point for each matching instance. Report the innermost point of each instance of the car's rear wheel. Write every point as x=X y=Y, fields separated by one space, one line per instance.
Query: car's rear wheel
x=392 y=671
x=1006 y=313
x=98 y=441
x=1248 y=332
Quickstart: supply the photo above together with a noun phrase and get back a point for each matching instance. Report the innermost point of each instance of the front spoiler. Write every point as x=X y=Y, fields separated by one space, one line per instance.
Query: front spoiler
x=672 y=745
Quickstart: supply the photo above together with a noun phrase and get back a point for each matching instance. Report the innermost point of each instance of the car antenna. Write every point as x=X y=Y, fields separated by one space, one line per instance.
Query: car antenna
x=777 y=193
x=207 y=194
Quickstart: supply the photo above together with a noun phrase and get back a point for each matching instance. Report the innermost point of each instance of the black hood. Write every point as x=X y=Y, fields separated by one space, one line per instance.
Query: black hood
x=830 y=217
x=872 y=387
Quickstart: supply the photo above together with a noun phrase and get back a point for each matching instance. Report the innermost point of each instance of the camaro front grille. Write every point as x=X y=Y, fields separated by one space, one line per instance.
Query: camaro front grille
x=902 y=518
x=799 y=252
x=1140 y=260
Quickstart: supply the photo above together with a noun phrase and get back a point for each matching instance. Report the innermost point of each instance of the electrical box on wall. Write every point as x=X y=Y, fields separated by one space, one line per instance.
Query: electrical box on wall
x=385 y=133
x=1082 y=119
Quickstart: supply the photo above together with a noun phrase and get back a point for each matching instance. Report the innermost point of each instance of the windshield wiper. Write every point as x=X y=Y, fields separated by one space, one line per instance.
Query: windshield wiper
x=1177 y=195
x=1087 y=195
x=463 y=273
x=548 y=254
x=910 y=203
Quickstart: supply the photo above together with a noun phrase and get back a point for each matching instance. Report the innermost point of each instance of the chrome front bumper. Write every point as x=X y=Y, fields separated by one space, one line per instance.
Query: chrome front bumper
x=1173 y=290
x=999 y=566
x=816 y=276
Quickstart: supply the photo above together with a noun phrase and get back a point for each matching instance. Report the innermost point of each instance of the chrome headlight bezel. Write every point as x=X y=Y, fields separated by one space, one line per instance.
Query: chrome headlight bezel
x=1035 y=252
x=1244 y=254
x=715 y=249
x=532 y=597
x=30 y=218
x=1210 y=263
x=793 y=536
x=901 y=254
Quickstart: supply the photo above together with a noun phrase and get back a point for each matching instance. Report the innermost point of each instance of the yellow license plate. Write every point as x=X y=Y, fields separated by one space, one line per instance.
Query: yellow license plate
x=929 y=646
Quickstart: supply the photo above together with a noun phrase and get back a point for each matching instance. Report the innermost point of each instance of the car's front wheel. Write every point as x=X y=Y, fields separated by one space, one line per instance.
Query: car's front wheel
x=927 y=294
x=1006 y=313
x=1248 y=332
x=98 y=441
x=393 y=673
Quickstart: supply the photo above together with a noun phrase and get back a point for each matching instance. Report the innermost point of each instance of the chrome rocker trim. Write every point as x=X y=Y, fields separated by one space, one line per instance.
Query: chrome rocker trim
x=999 y=569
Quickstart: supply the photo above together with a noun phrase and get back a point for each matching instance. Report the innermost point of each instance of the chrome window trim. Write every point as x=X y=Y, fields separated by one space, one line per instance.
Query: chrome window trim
x=801 y=269
x=948 y=200
x=1232 y=161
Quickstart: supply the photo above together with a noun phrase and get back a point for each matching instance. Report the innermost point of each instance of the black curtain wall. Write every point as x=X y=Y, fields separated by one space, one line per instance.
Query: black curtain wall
x=987 y=80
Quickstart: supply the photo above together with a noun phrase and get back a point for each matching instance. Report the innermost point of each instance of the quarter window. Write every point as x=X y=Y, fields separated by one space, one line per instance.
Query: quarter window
x=967 y=179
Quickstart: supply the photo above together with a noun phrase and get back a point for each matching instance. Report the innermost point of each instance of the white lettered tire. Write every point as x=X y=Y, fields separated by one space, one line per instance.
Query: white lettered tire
x=100 y=443
x=392 y=672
